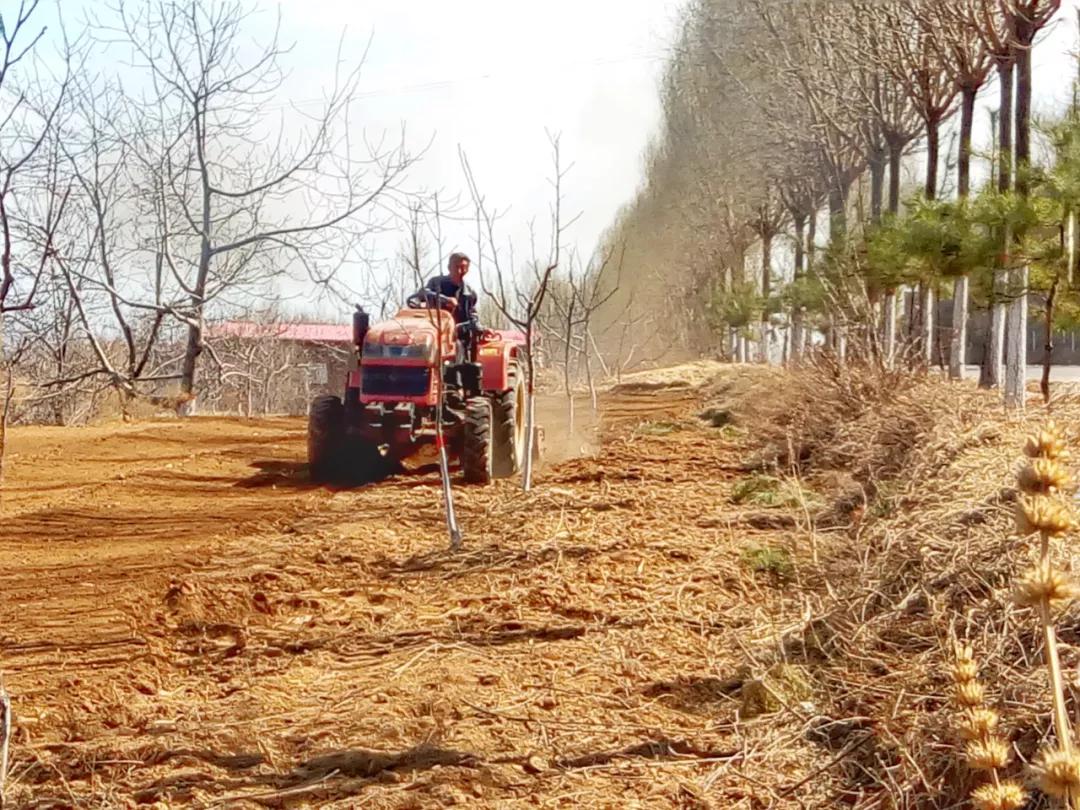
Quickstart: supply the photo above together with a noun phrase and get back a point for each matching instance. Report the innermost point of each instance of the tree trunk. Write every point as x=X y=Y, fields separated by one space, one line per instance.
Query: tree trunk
x=1023 y=113
x=1048 y=348
x=1070 y=246
x=766 y=292
x=933 y=147
x=896 y=155
x=1005 y=124
x=927 y=323
x=190 y=363
x=800 y=247
x=837 y=212
x=530 y=410
x=877 y=184
x=811 y=242
x=7 y=394
x=794 y=354
x=1016 y=350
x=992 y=375
x=994 y=361
x=567 y=381
x=958 y=345
x=889 y=316
x=967 y=120
x=187 y=406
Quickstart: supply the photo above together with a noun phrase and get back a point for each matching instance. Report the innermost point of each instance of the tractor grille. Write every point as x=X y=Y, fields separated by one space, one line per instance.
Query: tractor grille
x=401 y=381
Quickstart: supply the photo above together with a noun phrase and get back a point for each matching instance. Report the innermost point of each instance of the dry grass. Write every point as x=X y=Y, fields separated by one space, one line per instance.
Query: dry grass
x=924 y=553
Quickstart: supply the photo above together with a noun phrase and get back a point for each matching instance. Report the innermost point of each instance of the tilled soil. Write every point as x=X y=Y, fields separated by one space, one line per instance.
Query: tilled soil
x=187 y=621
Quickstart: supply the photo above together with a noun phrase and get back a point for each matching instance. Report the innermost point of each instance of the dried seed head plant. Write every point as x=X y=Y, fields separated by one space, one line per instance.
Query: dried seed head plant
x=999 y=796
x=985 y=750
x=1047 y=443
x=1046 y=589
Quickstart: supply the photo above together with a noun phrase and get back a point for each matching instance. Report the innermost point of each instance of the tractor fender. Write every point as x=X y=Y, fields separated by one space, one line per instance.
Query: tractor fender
x=495 y=359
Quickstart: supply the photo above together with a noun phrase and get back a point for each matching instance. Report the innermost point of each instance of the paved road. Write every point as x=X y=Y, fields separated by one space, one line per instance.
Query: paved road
x=1057 y=373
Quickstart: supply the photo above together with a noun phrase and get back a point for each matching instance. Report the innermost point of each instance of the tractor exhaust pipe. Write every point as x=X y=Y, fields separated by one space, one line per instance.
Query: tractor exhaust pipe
x=361 y=322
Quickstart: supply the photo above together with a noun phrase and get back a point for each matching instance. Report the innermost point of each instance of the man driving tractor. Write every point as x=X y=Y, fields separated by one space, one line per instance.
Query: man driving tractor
x=450 y=292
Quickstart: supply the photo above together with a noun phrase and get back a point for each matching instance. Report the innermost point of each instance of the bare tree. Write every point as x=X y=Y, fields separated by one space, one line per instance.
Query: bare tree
x=26 y=119
x=914 y=59
x=574 y=298
x=240 y=198
x=100 y=264
x=802 y=196
x=990 y=23
x=1025 y=18
x=767 y=223
x=965 y=56
x=33 y=196
x=521 y=300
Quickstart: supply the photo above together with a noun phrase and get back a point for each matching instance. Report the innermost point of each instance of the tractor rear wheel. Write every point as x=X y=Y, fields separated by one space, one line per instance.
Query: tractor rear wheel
x=476 y=444
x=326 y=434
x=508 y=427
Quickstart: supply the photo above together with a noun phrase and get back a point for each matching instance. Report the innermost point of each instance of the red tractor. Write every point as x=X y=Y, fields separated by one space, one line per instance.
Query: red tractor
x=415 y=373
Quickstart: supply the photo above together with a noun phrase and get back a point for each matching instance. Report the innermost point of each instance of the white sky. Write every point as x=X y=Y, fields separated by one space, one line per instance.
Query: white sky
x=491 y=76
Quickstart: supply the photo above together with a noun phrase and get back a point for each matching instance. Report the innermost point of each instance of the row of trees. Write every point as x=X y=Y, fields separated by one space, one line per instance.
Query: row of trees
x=792 y=121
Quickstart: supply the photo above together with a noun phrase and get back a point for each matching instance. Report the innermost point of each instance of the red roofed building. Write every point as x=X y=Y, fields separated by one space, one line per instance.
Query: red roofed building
x=272 y=367
x=298 y=332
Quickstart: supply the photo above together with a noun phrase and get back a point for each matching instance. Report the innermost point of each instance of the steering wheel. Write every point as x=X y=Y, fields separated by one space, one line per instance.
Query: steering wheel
x=428 y=299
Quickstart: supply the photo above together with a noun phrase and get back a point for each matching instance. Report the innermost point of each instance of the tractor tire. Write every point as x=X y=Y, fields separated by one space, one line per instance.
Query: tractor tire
x=361 y=460
x=508 y=427
x=326 y=435
x=476 y=443
x=363 y=463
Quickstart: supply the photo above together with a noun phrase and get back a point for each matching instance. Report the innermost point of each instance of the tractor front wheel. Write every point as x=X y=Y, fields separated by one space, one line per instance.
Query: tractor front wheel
x=476 y=443
x=326 y=434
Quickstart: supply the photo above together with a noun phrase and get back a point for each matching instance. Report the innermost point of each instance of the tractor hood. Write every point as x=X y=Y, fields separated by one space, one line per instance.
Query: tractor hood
x=411 y=334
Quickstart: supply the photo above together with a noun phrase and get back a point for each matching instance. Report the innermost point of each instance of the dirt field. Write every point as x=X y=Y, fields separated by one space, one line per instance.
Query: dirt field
x=187 y=621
